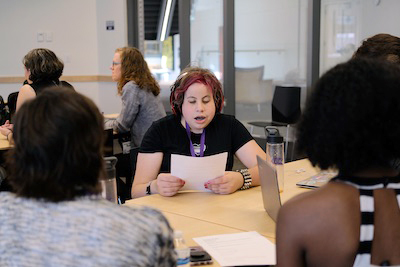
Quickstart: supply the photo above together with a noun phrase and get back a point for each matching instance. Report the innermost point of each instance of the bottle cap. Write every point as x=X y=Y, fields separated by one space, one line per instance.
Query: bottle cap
x=273 y=136
x=110 y=162
x=178 y=234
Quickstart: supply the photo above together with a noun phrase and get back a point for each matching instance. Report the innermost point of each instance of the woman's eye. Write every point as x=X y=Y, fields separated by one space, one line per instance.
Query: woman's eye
x=192 y=102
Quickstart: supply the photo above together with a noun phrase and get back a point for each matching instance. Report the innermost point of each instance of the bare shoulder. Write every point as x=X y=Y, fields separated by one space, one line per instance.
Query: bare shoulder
x=25 y=93
x=26 y=88
x=329 y=213
x=330 y=200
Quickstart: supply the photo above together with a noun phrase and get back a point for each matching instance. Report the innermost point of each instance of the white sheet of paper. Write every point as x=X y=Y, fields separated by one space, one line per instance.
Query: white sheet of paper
x=198 y=170
x=249 y=248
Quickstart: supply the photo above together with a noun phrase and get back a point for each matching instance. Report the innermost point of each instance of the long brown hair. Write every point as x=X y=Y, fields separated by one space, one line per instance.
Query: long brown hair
x=134 y=68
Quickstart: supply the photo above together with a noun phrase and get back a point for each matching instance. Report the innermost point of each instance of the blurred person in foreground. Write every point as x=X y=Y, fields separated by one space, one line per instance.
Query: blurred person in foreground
x=350 y=124
x=56 y=217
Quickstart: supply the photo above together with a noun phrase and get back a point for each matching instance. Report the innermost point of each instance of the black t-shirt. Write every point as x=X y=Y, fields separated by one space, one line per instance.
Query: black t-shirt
x=39 y=86
x=167 y=135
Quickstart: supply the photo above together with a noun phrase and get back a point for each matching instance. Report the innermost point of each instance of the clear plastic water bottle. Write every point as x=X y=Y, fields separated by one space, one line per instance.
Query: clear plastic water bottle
x=275 y=152
x=182 y=251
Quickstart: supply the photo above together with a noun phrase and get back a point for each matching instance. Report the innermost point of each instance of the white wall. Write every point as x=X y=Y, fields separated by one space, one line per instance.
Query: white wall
x=382 y=18
x=78 y=36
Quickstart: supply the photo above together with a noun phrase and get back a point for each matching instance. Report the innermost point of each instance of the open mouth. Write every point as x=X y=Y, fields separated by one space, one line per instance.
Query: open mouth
x=199 y=118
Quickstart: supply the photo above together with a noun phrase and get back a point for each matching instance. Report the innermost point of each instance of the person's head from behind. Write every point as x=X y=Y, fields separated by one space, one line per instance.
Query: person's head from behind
x=42 y=64
x=380 y=46
x=351 y=120
x=58 y=140
x=196 y=96
x=130 y=65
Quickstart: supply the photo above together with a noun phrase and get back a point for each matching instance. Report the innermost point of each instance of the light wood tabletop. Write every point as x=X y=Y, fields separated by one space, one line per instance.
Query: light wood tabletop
x=192 y=227
x=242 y=210
x=202 y=213
x=111 y=116
x=4 y=143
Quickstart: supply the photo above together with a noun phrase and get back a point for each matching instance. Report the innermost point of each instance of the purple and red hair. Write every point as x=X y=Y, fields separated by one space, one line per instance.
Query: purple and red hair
x=190 y=76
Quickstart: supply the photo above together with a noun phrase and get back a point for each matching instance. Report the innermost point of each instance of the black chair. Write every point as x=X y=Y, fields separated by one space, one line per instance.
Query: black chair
x=4 y=114
x=108 y=143
x=285 y=111
x=125 y=166
x=12 y=103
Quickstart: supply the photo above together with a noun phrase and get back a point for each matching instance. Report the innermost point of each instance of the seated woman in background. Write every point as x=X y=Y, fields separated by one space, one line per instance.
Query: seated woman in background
x=196 y=128
x=380 y=46
x=350 y=124
x=139 y=91
x=57 y=216
x=42 y=69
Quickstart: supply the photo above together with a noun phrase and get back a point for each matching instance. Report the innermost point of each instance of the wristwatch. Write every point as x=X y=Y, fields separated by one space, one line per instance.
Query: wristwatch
x=148 y=188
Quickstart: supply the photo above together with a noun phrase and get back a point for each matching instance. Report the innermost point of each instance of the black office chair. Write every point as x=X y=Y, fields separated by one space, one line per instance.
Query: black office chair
x=285 y=111
x=4 y=114
x=12 y=103
x=108 y=143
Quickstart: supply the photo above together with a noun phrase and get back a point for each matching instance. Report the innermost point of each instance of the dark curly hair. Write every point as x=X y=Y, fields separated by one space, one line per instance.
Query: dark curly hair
x=189 y=76
x=380 y=46
x=58 y=152
x=43 y=65
x=135 y=68
x=351 y=120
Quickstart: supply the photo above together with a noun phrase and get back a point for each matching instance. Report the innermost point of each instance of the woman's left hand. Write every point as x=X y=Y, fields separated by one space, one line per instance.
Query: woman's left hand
x=229 y=183
x=6 y=128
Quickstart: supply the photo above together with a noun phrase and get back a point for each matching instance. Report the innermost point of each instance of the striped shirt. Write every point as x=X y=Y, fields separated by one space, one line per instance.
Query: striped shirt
x=366 y=188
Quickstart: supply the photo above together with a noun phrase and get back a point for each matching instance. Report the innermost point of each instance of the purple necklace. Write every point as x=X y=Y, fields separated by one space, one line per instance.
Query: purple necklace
x=202 y=141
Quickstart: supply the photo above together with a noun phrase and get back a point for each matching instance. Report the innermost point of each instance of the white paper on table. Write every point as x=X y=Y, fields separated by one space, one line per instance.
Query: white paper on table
x=249 y=248
x=198 y=170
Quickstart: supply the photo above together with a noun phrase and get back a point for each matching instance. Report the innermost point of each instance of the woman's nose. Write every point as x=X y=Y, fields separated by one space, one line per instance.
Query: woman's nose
x=200 y=106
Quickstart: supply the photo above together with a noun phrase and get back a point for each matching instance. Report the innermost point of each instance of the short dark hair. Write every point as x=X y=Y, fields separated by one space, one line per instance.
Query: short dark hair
x=43 y=65
x=189 y=76
x=58 y=153
x=351 y=120
x=380 y=46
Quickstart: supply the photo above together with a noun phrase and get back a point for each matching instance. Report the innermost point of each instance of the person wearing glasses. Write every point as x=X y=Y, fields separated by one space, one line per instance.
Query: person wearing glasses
x=57 y=217
x=139 y=92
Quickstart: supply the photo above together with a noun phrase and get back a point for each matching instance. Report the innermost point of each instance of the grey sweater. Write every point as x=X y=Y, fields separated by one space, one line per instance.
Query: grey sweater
x=140 y=109
x=88 y=231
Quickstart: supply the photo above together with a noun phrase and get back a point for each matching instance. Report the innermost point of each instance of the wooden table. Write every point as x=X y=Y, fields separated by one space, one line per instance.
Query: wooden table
x=4 y=144
x=111 y=116
x=202 y=213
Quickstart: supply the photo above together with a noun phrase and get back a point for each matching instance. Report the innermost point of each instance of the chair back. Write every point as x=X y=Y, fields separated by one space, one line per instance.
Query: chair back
x=108 y=143
x=286 y=104
x=250 y=86
x=12 y=103
x=4 y=115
